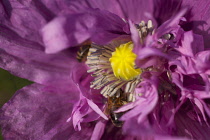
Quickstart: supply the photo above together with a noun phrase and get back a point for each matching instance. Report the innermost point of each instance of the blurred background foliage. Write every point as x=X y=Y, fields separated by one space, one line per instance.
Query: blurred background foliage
x=8 y=85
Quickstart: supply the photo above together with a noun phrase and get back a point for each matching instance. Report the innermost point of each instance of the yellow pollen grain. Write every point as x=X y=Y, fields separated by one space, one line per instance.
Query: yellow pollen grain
x=123 y=62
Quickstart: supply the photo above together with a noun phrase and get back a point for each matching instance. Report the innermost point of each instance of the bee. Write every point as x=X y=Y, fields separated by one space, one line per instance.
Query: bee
x=82 y=53
x=113 y=104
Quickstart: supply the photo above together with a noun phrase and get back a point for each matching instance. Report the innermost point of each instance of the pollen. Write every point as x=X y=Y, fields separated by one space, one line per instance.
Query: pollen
x=123 y=62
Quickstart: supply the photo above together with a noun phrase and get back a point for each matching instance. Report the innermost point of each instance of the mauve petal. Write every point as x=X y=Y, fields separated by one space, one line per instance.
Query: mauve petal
x=70 y=134
x=169 y=138
x=26 y=19
x=165 y=9
x=143 y=105
x=191 y=128
x=149 y=56
x=133 y=9
x=77 y=115
x=49 y=8
x=203 y=61
x=185 y=65
x=171 y=23
x=109 y=5
x=206 y=107
x=146 y=131
x=38 y=112
x=98 y=130
x=137 y=10
x=194 y=88
x=143 y=130
x=28 y=60
x=5 y=11
x=134 y=35
x=150 y=51
x=199 y=105
x=191 y=44
x=83 y=112
x=70 y=30
x=96 y=109
x=115 y=133
x=88 y=108
x=128 y=10
x=199 y=18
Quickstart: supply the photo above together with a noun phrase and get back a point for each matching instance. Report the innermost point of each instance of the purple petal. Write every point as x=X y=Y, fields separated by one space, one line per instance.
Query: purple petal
x=49 y=8
x=191 y=128
x=25 y=19
x=125 y=9
x=191 y=44
x=137 y=10
x=202 y=61
x=109 y=5
x=132 y=127
x=150 y=51
x=27 y=59
x=149 y=56
x=200 y=107
x=83 y=113
x=96 y=25
x=146 y=131
x=170 y=138
x=98 y=130
x=38 y=112
x=88 y=108
x=163 y=14
x=144 y=104
x=134 y=34
x=171 y=24
x=96 y=109
x=199 y=17
x=115 y=133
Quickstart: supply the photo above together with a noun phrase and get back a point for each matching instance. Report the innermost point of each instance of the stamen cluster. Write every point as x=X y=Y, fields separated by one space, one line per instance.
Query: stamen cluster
x=110 y=76
x=100 y=66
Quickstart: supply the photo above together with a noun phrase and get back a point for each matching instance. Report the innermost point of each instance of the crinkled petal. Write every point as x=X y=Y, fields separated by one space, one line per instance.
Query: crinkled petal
x=185 y=65
x=191 y=128
x=83 y=113
x=141 y=107
x=149 y=56
x=109 y=5
x=70 y=30
x=115 y=133
x=134 y=34
x=27 y=17
x=202 y=61
x=28 y=60
x=150 y=51
x=39 y=112
x=199 y=18
x=49 y=7
x=96 y=109
x=125 y=9
x=137 y=10
x=171 y=23
x=98 y=130
x=191 y=44
x=132 y=127
x=146 y=130
x=88 y=107
x=165 y=9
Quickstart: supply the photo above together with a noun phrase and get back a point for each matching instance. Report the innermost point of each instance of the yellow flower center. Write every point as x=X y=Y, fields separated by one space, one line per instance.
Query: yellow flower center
x=123 y=62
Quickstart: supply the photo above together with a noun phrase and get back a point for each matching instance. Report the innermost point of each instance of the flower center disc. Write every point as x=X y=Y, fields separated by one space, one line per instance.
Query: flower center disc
x=123 y=62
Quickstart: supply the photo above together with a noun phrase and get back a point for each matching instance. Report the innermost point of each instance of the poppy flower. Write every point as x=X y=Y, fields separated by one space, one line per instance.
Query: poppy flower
x=142 y=71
